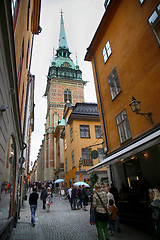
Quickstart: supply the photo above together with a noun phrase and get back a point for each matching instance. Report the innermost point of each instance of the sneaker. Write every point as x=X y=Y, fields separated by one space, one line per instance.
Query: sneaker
x=33 y=224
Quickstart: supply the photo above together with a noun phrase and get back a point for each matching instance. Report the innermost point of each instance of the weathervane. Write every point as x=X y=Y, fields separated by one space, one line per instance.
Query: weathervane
x=61 y=12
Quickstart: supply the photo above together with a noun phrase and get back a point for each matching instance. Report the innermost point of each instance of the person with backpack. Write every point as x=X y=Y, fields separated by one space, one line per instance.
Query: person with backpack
x=79 y=194
x=154 y=195
x=74 y=198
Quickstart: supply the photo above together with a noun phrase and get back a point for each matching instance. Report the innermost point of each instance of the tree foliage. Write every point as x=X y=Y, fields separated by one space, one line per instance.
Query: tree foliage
x=93 y=179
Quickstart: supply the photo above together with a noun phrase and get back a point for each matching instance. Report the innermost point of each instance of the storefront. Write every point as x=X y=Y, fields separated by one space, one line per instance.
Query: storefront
x=134 y=169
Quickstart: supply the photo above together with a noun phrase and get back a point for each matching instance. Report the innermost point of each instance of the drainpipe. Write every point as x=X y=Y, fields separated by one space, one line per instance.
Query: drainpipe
x=104 y=126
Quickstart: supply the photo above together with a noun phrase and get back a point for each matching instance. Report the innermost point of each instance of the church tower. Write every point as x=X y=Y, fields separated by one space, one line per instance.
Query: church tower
x=64 y=85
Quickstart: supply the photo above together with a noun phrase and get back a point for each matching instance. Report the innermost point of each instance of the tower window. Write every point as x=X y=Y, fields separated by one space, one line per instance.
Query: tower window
x=67 y=96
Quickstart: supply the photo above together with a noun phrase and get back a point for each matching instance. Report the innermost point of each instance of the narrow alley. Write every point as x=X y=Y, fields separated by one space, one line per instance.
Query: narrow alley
x=63 y=223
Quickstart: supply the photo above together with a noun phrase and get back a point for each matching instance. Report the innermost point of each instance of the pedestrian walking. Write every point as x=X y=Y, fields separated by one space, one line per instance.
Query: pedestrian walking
x=74 y=198
x=102 y=219
x=85 y=198
x=44 y=196
x=110 y=196
x=70 y=195
x=79 y=194
x=154 y=195
x=33 y=197
x=48 y=199
x=113 y=217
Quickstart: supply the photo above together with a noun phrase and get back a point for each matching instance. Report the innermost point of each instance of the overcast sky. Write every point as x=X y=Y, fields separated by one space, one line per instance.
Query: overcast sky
x=81 y=19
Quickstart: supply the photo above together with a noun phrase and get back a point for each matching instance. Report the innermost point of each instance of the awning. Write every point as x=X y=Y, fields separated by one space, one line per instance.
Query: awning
x=140 y=144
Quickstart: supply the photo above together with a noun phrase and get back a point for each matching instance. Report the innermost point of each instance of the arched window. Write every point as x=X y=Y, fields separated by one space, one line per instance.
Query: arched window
x=67 y=96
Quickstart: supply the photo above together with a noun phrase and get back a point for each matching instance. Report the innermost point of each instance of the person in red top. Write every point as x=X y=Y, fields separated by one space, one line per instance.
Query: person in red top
x=112 y=220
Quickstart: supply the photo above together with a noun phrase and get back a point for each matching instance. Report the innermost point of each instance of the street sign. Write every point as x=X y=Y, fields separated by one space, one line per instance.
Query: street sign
x=94 y=154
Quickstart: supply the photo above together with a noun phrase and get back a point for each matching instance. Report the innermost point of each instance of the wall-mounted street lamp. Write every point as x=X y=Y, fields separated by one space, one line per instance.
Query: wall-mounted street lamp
x=3 y=108
x=136 y=107
x=80 y=163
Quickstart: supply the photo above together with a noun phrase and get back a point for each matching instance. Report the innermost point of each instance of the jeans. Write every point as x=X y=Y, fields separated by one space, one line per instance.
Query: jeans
x=112 y=225
x=74 y=202
x=79 y=203
x=33 y=211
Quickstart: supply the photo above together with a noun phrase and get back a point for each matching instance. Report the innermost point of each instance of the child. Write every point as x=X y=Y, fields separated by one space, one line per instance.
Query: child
x=48 y=199
x=112 y=220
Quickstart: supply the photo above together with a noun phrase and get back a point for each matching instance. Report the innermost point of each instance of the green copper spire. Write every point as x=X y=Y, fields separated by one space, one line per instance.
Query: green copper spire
x=53 y=59
x=77 y=66
x=62 y=37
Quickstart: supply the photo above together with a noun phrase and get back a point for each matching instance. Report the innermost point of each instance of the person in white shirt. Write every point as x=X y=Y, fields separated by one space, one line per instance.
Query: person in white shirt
x=109 y=195
x=70 y=195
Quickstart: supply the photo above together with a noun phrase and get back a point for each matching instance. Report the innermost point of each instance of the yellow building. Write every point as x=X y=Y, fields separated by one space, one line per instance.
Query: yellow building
x=125 y=53
x=81 y=135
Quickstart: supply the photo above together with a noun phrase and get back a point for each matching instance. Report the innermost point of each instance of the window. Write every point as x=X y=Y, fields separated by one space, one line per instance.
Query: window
x=67 y=96
x=106 y=3
x=84 y=131
x=66 y=165
x=86 y=156
x=15 y=9
x=98 y=131
x=65 y=144
x=141 y=1
x=20 y=65
x=123 y=126
x=73 y=162
x=67 y=120
x=154 y=22
x=114 y=84
x=100 y=154
x=28 y=11
x=106 y=52
x=71 y=134
x=27 y=54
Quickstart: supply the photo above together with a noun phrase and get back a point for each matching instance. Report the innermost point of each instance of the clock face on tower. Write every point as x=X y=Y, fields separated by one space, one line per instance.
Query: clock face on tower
x=65 y=64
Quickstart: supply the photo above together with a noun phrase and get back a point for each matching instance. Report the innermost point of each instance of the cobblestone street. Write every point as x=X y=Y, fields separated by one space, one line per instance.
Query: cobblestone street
x=63 y=223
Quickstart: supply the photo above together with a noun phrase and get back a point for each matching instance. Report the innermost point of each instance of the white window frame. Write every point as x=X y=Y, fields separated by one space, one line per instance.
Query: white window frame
x=141 y=1
x=106 y=51
x=114 y=84
x=65 y=144
x=154 y=21
x=123 y=127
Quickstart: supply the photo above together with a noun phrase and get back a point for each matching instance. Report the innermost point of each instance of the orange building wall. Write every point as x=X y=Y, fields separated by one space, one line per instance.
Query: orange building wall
x=19 y=33
x=136 y=54
x=77 y=144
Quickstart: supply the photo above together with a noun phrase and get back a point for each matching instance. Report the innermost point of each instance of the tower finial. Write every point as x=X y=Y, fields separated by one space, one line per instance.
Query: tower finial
x=77 y=66
x=61 y=12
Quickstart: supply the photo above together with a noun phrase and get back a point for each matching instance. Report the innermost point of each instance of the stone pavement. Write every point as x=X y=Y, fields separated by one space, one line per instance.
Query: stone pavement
x=62 y=223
